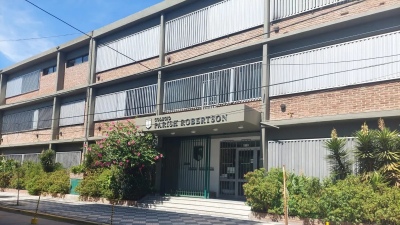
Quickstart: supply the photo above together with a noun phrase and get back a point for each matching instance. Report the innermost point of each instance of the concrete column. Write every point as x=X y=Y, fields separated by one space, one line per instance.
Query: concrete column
x=1 y=126
x=160 y=94
x=265 y=112
x=92 y=61
x=162 y=40
x=60 y=70
x=3 y=87
x=89 y=118
x=55 y=119
x=267 y=18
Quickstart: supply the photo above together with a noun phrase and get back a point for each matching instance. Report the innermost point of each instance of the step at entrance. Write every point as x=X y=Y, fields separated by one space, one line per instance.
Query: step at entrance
x=209 y=207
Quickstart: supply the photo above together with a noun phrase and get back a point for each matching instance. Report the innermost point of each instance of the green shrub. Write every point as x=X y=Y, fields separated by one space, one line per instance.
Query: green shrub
x=38 y=183
x=27 y=171
x=344 y=201
x=59 y=183
x=78 y=169
x=304 y=193
x=91 y=185
x=5 y=178
x=263 y=190
x=6 y=171
x=47 y=159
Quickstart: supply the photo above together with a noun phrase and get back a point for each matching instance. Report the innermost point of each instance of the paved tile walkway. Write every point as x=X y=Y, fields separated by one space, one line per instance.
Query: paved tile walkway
x=7 y=218
x=100 y=213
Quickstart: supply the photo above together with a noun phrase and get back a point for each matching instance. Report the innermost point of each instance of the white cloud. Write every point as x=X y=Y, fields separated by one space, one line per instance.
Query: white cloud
x=16 y=22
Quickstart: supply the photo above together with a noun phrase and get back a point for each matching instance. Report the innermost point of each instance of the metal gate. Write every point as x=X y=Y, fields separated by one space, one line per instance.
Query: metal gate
x=187 y=167
x=194 y=170
x=237 y=159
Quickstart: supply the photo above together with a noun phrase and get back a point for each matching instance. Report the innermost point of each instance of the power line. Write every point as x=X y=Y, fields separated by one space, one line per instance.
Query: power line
x=36 y=38
x=227 y=93
x=157 y=68
x=224 y=104
x=63 y=21
x=213 y=50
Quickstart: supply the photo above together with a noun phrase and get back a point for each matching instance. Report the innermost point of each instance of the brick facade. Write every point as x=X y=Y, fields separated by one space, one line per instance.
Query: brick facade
x=26 y=137
x=327 y=14
x=101 y=127
x=71 y=132
x=128 y=70
x=47 y=86
x=257 y=105
x=76 y=76
x=221 y=43
x=353 y=99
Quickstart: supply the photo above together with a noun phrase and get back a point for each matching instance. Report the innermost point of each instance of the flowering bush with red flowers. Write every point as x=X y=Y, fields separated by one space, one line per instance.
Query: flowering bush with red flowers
x=125 y=146
x=130 y=154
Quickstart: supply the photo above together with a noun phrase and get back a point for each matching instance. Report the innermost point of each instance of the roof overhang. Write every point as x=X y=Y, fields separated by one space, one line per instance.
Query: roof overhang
x=220 y=120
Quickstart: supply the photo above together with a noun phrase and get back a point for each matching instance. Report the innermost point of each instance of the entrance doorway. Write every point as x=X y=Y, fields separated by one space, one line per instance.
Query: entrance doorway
x=186 y=171
x=236 y=159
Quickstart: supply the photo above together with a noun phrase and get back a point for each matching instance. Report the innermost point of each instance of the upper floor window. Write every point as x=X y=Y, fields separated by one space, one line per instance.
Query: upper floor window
x=77 y=61
x=49 y=70
x=27 y=120
x=208 y=90
x=23 y=84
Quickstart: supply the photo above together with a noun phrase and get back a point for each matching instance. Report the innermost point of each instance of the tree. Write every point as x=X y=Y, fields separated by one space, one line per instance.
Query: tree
x=364 y=151
x=338 y=156
x=47 y=159
x=387 y=152
x=129 y=154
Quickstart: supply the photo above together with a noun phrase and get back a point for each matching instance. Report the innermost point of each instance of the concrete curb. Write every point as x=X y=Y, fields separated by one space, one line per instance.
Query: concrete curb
x=48 y=216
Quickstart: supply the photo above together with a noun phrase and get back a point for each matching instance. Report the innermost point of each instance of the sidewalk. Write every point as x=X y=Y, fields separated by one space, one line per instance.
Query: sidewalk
x=97 y=213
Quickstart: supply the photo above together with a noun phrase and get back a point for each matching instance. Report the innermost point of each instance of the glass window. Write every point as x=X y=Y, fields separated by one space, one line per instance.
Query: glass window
x=78 y=61
x=85 y=58
x=49 y=70
x=71 y=63
x=46 y=71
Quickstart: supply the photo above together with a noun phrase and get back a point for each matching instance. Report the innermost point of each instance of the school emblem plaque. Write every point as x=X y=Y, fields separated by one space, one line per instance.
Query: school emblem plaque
x=148 y=123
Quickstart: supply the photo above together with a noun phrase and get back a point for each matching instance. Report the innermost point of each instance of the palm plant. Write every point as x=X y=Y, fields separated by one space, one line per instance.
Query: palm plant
x=364 y=151
x=338 y=156
x=387 y=152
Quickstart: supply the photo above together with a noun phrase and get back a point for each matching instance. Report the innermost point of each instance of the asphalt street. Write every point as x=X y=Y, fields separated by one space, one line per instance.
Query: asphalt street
x=7 y=218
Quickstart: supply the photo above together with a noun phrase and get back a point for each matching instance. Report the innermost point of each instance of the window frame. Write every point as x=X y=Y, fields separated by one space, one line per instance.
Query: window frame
x=73 y=62
x=46 y=71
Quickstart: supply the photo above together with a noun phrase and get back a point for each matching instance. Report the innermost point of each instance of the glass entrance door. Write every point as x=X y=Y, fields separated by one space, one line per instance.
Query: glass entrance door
x=237 y=159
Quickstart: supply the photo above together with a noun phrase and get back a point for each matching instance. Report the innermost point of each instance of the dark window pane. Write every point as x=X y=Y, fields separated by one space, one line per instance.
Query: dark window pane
x=46 y=71
x=85 y=58
x=71 y=63
x=44 y=120
x=78 y=60
x=30 y=82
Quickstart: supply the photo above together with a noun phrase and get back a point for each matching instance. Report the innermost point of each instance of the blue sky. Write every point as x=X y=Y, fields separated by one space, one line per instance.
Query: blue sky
x=20 y=20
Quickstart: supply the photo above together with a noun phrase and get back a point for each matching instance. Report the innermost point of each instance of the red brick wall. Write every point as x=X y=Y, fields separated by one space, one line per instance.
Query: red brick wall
x=47 y=86
x=76 y=76
x=26 y=137
x=257 y=105
x=216 y=44
x=72 y=132
x=127 y=70
x=328 y=14
x=354 y=99
x=103 y=126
